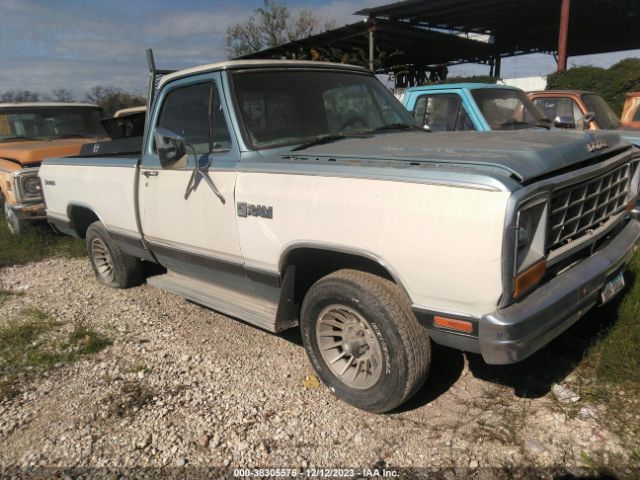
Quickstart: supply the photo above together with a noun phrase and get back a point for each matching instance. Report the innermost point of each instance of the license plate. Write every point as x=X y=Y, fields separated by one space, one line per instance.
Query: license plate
x=612 y=287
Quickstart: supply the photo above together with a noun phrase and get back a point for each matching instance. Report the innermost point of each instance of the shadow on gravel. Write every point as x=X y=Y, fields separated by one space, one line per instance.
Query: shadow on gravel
x=534 y=377
x=446 y=367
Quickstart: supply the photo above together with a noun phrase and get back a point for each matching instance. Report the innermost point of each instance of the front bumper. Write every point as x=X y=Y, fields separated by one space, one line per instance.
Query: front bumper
x=513 y=333
x=29 y=211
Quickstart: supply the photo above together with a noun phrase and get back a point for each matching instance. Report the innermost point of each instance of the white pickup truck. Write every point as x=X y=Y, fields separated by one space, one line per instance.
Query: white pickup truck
x=301 y=193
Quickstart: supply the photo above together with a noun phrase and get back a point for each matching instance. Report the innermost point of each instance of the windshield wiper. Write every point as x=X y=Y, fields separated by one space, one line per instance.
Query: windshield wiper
x=544 y=123
x=518 y=123
x=321 y=140
x=396 y=126
x=18 y=137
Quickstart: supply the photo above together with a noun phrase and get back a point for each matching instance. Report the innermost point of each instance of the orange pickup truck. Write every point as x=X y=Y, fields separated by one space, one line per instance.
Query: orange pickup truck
x=29 y=133
x=586 y=110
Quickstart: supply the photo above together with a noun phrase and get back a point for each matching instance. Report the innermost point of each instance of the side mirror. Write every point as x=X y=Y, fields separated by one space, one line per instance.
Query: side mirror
x=171 y=147
x=564 y=121
x=588 y=118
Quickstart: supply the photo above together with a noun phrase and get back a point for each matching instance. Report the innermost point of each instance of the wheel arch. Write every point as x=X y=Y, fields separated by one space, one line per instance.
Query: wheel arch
x=81 y=217
x=303 y=264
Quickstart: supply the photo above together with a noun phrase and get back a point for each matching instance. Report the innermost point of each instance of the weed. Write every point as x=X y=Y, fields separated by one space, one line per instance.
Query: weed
x=5 y=294
x=87 y=341
x=130 y=399
x=35 y=244
x=138 y=367
x=30 y=346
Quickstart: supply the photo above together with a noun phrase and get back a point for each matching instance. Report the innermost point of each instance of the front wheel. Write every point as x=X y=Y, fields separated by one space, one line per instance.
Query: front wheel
x=13 y=222
x=364 y=341
x=112 y=266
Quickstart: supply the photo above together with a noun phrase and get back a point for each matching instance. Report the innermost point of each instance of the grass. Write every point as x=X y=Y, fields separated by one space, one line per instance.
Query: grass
x=616 y=356
x=5 y=294
x=37 y=243
x=609 y=374
x=35 y=343
x=130 y=399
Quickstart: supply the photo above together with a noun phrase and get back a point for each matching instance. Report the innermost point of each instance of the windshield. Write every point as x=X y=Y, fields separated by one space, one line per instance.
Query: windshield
x=605 y=117
x=295 y=107
x=46 y=123
x=506 y=109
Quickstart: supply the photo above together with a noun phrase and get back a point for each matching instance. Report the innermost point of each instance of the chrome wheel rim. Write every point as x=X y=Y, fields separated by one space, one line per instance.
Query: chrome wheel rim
x=102 y=260
x=12 y=220
x=349 y=346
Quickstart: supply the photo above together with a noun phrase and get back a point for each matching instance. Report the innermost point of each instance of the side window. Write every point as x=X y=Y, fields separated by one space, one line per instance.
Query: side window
x=560 y=107
x=464 y=122
x=185 y=111
x=439 y=112
x=221 y=136
x=636 y=116
x=578 y=117
x=420 y=110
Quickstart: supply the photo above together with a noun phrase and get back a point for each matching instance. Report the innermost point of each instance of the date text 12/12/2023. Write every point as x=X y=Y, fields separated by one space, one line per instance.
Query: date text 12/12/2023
x=315 y=473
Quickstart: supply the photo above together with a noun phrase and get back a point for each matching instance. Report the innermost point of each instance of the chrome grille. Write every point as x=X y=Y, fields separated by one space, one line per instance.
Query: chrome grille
x=582 y=207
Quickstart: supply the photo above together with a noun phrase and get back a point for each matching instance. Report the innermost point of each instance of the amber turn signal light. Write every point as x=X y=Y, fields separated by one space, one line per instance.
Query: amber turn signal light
x=529 y=278
x=453 y=324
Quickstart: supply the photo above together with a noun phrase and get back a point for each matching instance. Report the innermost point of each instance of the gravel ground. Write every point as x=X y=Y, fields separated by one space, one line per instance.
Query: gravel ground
x=185 y=386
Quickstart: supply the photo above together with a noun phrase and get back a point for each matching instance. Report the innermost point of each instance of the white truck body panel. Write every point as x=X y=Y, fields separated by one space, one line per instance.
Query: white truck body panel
x=201 y=222
x=107 y=190
x=454 y=271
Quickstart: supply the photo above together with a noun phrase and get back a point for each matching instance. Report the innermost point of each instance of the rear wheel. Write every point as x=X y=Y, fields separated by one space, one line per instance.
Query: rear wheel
x=364 y=341
x=112 y=266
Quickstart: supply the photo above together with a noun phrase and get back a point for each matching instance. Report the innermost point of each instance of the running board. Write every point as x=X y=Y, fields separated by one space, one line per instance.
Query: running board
x=245 y=306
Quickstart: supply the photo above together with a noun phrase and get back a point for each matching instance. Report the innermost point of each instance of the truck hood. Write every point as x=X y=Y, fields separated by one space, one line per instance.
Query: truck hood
x=631 y=135
x=33 y=152
x=524 y=154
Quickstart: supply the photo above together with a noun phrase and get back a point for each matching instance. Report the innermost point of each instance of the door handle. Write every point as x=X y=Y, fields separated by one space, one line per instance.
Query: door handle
x=150 y=173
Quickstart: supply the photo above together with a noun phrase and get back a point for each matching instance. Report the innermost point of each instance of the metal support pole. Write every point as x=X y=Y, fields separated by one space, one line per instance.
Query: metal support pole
x=371 y=47
x=564 y=35
x=496 y=71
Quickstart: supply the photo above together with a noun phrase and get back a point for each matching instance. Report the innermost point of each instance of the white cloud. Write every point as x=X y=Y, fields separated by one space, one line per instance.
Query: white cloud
x=46 y=44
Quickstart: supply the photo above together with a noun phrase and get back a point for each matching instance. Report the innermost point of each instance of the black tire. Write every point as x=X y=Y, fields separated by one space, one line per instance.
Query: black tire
x=404 y=343
x=11 y=220
x=112 y=266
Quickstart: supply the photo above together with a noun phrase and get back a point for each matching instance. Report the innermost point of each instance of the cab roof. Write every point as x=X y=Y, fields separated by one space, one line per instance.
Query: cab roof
x=469 y=86
x=560 y=92
x=45 y=105
x=237 y=64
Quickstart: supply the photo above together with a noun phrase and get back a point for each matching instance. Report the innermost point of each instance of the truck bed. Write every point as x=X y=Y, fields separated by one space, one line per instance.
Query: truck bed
x=106 y=184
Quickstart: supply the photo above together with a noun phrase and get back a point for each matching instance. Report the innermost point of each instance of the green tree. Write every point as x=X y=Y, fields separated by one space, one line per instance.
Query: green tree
x=270 y=26
x=17 y=96
x=112 y=99
x=62 y=95
x=612 y=84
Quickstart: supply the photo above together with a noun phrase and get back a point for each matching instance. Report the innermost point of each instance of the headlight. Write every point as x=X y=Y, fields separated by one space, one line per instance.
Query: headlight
x=31 y=186
x=530 y=238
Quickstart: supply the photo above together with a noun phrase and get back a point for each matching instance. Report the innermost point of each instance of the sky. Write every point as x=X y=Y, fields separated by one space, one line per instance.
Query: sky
x=76 y=44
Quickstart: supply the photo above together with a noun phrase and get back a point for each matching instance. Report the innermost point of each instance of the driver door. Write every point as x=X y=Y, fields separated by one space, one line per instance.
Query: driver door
x=189 y=226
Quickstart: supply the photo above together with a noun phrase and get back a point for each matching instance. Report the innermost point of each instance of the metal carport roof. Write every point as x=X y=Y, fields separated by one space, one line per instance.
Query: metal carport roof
x=404 y=44
x=526 y=26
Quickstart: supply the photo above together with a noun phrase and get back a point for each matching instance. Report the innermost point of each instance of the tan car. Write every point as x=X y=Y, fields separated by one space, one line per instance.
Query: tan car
x=631 y=112
x=29 y=133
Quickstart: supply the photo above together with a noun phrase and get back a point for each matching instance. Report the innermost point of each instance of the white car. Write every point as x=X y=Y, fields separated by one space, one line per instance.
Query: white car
x=302 y=194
